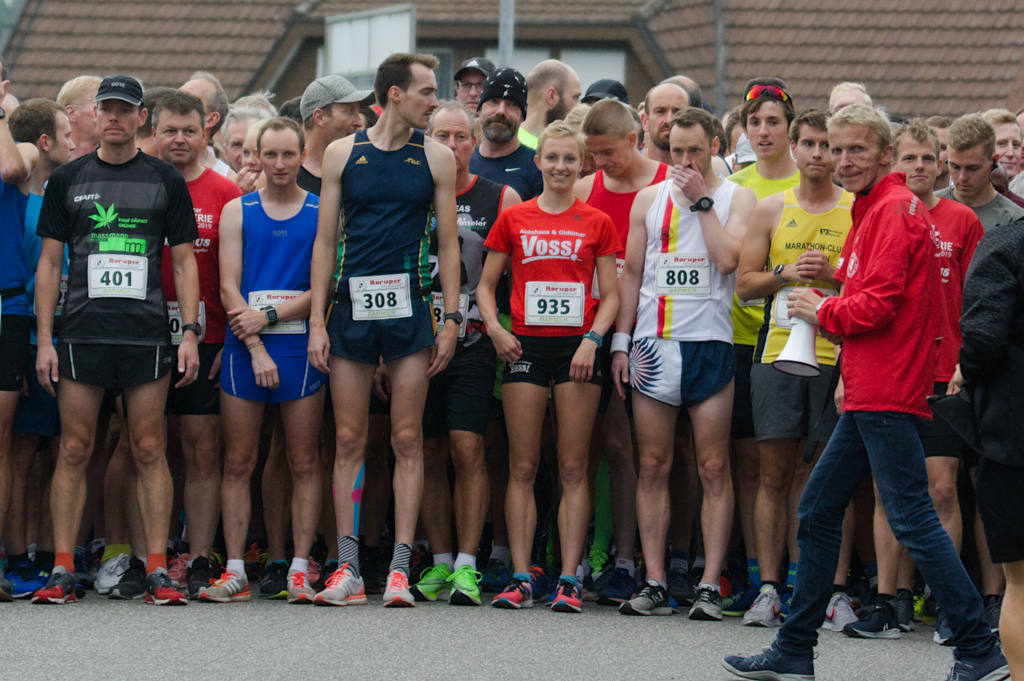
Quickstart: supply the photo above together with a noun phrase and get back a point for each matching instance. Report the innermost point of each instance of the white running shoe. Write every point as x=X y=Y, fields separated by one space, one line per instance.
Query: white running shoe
x=839 y=612
x=110 y=573
x=765 y=610
x=397 y=593
x=342 y=588
x=228 y=588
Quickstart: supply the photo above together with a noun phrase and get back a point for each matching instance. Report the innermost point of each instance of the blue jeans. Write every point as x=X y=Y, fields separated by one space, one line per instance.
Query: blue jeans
x=886 y=445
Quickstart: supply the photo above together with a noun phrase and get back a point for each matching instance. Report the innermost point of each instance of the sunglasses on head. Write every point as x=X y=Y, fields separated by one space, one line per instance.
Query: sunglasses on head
x=772 y=91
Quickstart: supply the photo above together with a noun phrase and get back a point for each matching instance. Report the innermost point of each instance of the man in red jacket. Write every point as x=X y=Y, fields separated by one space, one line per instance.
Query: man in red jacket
x=888 y=325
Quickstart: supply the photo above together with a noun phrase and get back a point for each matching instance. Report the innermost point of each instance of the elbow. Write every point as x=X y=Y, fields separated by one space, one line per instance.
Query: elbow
x=728 y=266
x=14 y=174
x=743 y=289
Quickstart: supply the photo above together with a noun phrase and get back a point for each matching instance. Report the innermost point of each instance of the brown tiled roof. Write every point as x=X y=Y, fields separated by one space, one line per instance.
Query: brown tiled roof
x=486 y=11
x=159 y=42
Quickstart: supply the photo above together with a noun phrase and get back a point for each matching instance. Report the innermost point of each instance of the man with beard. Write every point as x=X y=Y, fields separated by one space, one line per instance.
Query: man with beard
x=501 y=157
x=553 y=88
x=660 y=105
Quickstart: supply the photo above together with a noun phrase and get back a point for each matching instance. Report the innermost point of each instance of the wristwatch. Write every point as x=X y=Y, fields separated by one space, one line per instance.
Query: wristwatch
x=594 y=336
x=455 y=317
x=194 y=328
x=702 y=205
x=271 y=315
x=778 y=273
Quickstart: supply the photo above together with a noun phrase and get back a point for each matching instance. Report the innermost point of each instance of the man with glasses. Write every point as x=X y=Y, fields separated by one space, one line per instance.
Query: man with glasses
x=469 y=80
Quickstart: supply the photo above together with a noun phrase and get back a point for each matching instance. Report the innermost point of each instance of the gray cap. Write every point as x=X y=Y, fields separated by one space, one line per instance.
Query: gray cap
x=327 y=90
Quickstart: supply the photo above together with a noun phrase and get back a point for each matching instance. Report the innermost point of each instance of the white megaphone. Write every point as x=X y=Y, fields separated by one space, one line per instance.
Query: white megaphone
x=799 y=356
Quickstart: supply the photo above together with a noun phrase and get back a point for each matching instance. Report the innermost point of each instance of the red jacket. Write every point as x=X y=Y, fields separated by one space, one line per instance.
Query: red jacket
x=889 y=313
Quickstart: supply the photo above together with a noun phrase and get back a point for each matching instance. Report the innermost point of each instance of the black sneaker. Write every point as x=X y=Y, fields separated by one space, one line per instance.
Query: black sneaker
x=275 y=580
x=903 y=604
x=993 y=606
x=652 y=599
x=707 y=606
x=132 y=583
x=682 y=586
x=877 y=621
x=198 y=576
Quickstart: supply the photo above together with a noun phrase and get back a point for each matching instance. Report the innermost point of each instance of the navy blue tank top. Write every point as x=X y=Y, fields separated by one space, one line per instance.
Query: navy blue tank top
x=386 y=206
x=275 y=267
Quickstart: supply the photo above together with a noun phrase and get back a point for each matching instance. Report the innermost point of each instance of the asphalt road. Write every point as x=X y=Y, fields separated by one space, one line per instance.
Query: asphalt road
x=264 y=640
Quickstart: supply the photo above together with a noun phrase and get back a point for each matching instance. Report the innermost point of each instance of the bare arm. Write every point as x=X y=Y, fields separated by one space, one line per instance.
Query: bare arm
x=505 y=344
x=442 y=167
x=230 y=256
x=13 y=169
x=751 y=280
x=186 y=283
x=633 y=268
x=47 y=292
x=509 y=197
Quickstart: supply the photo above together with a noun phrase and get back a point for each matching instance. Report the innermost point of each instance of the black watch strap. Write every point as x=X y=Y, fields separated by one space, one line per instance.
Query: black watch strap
x=194 y=328
x=455 y=317
x=271 y=315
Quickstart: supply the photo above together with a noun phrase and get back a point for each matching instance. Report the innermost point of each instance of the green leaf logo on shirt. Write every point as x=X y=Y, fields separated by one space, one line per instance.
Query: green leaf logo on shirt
x=104 y=216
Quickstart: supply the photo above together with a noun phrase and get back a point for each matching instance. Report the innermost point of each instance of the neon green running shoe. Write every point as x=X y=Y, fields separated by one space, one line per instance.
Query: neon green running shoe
x=433 y=584
x=465 y=586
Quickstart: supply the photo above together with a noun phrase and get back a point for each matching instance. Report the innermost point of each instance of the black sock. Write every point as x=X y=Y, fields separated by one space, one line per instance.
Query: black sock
x=44 y=560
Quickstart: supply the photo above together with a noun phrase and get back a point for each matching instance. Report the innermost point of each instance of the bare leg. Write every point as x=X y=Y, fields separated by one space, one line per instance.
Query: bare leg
x=525 y=406
x=302 y=431
x=710 y=421
x=576 y=407
x=241 y=419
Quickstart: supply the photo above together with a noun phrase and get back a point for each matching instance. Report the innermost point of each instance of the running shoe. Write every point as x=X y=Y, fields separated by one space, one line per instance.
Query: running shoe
x=517 y=595
x=82 y=576
x=228 y=588
x=342 y=588
x=132 y=583
x=59 y=589
x=274 y=583
x=198 y=577
x=433 y=584
x=465 y=586
x=765 y=610
x=568 y=597
x=736 y=604
x=838 y=612
x=991 y=667
x=618 y=589
x=299 y=590
x=707 y=606
x=540 y=583
x=877 y=621
x=903 y=604
x=496 y=576
x=396 y=593
x=160 y=590
x=930 y=610
x=5 y=590
x=177 y=568
x=652 y=599
x=110 y=573
x=682 y=586
x=24 y=579
x=770 y=665
x=255 y=560
x=327 y=570
x=943 y=632
x=993 y=607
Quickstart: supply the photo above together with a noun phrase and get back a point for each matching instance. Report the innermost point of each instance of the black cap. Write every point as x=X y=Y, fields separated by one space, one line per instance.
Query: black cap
x=606 y=88
x=481 y=64
x=125 y=88
x=505 y=83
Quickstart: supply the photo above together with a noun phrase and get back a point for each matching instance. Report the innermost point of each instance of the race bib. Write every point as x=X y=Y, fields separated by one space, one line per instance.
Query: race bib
x=438 y=299
x=174 y=321
x=683 y=274
x=62 y=294
x=261 y=299
x=595 y=290
x=554 y=303
x=780 y=309
x=380 y=297
x=113 y=275
x=753 y=302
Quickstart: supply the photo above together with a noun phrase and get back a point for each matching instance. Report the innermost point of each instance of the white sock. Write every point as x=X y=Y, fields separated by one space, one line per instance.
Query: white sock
x=299 y=565
x=627 y=564
x=145 y=561
x=500 y=553
x=190 y=561
x=235 y=566
x=579 y=572
x=716 y=587
x=465 y=559
x=445 y=558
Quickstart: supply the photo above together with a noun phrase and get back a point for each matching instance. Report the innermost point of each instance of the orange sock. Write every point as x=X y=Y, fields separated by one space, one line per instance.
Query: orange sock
x=154 y=561
x=65 y=560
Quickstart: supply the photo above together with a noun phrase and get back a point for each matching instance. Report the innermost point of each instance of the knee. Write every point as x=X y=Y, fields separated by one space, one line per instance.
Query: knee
x=522 y=472
x=238 y=465
x=774 y=482
x=653 y=467
x=303 y=465
x=468 y=459
x=714 y=471
x=75 y=450
x=349 y=443
x=203 y=461
x=944 y=498
x=573 y=473
x=407 y=443
x=148 y=451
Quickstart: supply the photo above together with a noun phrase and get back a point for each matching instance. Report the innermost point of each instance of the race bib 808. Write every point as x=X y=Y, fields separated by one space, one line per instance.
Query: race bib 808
x=683 y=274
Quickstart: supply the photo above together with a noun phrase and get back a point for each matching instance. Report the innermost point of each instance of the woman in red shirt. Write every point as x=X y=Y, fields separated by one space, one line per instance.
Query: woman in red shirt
x=552 y=245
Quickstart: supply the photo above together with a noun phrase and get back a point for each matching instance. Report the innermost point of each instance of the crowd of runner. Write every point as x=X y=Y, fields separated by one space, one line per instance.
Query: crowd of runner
x=518 y=343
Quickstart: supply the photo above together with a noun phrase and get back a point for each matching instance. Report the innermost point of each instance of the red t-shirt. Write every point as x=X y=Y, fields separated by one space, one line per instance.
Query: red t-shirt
x=889 y=315
x=209 y=192
x=546 y=250
x=959 y=234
